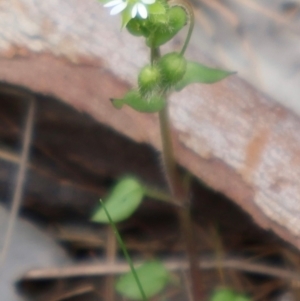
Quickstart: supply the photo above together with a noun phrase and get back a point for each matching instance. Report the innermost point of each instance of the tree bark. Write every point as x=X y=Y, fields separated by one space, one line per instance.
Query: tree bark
x=233 y=138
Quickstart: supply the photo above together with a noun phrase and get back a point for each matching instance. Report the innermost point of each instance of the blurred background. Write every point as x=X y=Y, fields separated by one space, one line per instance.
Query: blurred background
x=75 y=160
x=258 y=39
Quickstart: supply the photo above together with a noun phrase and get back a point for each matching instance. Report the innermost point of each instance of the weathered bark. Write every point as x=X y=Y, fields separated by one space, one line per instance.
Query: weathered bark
x=229 y=135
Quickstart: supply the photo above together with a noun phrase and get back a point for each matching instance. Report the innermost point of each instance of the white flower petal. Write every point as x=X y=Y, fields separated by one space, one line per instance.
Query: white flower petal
x=118 y=8
x=134 y=11
x=148 y=1
x=113 y=3
x=142 y=10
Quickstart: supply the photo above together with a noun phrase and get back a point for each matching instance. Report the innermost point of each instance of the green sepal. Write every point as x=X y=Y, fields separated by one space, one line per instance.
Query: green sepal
x=153 y=277
x=168 y=27
x=156 y=8
x=198 y=73
x=133 y=99
x=122 y=202
x=126 y=15
x=138 y=27
x=172 y=67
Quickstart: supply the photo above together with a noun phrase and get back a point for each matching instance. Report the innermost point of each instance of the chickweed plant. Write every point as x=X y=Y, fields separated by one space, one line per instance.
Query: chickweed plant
x=157 y=22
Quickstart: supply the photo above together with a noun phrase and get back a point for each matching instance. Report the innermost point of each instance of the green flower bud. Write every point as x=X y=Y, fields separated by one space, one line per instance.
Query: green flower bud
x=176 y=19
x=149 y=79
x=138 y=27
x=172 y=68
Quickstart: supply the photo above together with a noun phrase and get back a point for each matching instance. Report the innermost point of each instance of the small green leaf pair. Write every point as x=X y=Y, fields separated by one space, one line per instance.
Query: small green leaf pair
x=172 y=70
x=153 y=277
x=226 y=294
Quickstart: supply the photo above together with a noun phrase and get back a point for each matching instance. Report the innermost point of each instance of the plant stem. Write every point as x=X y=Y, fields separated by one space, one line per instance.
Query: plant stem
x=158 y=194
x=191 y=28
x=189 y=10
x=180 y=194
x=124 y=249
x=179 y=190
x=173 y=176
x=154 y=55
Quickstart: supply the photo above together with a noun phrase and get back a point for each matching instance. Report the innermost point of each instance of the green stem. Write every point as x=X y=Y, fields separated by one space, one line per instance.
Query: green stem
x=179 y=189
x=155 y=55
x=124 y=249
x=173 y=176
x=189 y=10
x=157 y=194
x=180 y=193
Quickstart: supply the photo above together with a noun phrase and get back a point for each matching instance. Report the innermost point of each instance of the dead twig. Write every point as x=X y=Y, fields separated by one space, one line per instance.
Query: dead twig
x=18 y=193
x=103 y=268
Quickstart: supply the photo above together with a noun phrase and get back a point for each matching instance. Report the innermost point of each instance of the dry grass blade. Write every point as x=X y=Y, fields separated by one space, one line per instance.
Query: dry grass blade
x=18 y=194
x=172 y=265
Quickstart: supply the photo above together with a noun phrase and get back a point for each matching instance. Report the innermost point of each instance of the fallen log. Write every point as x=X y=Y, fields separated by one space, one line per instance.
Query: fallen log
x=229 y=135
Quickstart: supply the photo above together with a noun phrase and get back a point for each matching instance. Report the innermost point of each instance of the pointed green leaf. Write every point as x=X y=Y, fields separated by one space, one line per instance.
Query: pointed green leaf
x=153 y=277
x=198 y=73
x=117 y=103
x=134 y=100
x=156 y=8
x=124 y=199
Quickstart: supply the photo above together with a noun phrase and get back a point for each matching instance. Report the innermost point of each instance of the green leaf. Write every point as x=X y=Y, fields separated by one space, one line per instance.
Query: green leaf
x=134 y=100
x=226 y=294
x=198 y=73
x=124 y=199
x=117 y=103
x=223 y=294
x=156 y=8
x=153 y=277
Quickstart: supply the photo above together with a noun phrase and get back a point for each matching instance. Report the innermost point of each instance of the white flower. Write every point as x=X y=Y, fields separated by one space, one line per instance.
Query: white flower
x=139 y=7
x=118 y=6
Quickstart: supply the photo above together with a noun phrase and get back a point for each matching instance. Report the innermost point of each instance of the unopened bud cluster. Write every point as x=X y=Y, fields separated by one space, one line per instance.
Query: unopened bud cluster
x=158 y=29
x=164 y=74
